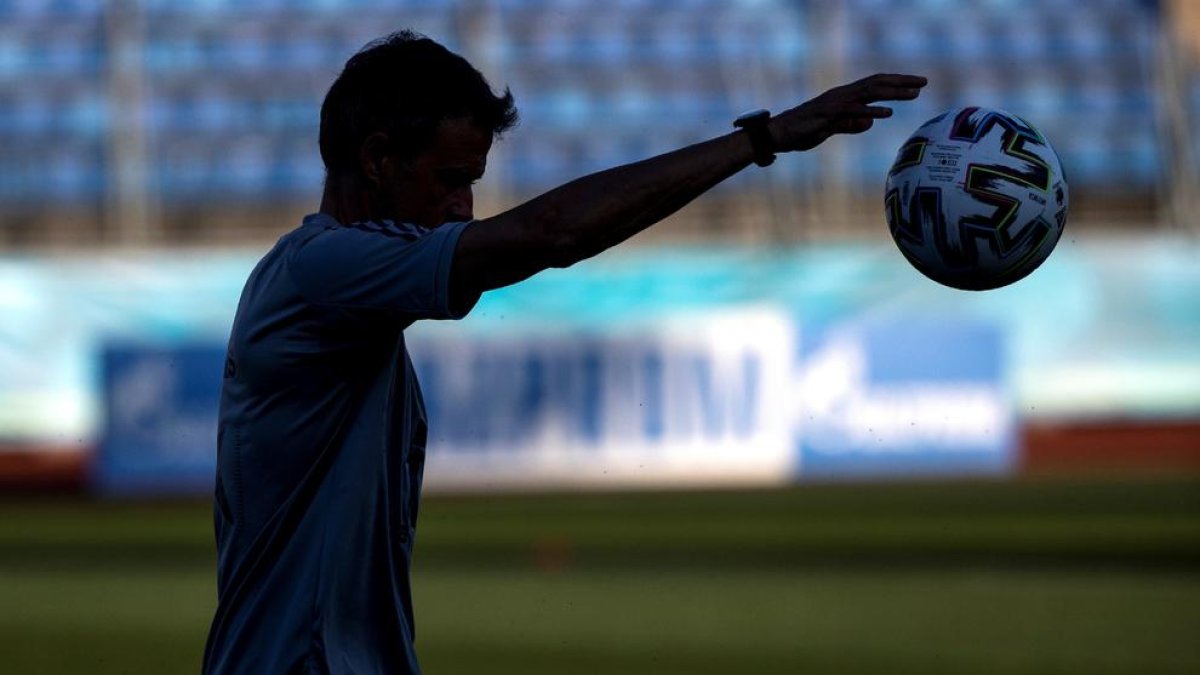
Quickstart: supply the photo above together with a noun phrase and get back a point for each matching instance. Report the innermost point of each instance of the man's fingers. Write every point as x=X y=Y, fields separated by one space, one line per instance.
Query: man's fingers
x=888 y=87
x=895 y=80
x=870 y=112
x=885 y=92
x=853 y=125
x=858 y=120
x=845 y=109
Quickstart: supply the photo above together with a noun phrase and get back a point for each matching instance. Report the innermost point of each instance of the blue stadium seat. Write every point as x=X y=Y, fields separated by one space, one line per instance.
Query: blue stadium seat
x=1079 y=69
x=638 y=74
x=648 y=73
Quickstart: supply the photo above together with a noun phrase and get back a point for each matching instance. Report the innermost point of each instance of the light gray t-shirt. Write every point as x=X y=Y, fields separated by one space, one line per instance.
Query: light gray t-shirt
x=321 y=451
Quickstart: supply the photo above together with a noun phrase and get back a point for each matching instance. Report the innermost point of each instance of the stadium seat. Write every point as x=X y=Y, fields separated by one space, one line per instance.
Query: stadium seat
x=642 y=70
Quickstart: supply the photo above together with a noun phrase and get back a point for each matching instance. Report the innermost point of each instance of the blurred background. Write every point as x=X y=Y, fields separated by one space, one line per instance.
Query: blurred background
x=753 y=439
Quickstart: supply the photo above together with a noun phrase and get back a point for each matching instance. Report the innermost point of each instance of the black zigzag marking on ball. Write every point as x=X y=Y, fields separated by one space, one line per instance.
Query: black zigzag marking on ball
x=910 y=154
x=967 y=128
x=1026 y=247
x=909 y=222
x=986 y=182
x=923 y=213
x=923 y=208
x=1017 y=139
x=1060 y=198
x=998 y=229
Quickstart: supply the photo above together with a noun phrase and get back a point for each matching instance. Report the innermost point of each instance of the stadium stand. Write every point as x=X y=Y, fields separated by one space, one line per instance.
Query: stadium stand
x=53 y=114
x=608 y=84
x=1083 y=73
x=233 y=104
x=224 y=115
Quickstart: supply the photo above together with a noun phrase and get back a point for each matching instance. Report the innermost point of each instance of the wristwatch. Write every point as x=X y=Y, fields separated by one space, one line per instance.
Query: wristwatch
x=755 y=125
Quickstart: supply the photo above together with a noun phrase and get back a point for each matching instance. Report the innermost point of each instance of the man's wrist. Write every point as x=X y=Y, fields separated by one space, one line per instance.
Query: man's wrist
x=755 y=125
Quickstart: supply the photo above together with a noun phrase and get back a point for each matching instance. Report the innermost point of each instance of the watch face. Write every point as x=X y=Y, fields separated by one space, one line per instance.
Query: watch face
x=752 y=116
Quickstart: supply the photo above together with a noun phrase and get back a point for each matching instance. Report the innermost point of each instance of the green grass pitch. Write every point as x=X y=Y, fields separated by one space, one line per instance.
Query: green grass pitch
x=996 y=578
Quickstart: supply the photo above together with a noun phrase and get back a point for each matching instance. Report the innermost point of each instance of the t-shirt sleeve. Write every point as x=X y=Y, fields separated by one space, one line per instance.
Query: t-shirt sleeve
x=380 y=268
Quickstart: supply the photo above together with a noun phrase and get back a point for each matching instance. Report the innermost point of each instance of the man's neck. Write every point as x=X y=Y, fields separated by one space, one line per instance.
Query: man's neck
x=345 y=200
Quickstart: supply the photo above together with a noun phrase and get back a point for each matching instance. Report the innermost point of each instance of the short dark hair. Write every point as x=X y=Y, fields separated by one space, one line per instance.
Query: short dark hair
x=405 y=85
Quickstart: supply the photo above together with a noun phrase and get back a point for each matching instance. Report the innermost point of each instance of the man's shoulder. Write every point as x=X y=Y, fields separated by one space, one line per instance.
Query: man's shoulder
x=324 y=243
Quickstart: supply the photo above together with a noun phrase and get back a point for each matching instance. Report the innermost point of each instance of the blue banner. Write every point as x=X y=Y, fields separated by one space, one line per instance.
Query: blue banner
x=693 y=400
x=733 y=397
x=160 y=419
x=906 y=397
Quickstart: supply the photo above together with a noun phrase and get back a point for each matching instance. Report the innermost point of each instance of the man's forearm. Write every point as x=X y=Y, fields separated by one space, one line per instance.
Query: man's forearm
x=603 y=209
x=581 y=218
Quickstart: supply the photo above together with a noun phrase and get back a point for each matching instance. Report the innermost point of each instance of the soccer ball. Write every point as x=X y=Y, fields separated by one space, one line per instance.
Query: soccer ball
x=976 y=198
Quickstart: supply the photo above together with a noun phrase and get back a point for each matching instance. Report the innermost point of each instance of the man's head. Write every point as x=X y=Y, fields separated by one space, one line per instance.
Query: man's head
x=409 y=124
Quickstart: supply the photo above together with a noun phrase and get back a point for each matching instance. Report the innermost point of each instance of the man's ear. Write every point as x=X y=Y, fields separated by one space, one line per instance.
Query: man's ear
x=371 y=156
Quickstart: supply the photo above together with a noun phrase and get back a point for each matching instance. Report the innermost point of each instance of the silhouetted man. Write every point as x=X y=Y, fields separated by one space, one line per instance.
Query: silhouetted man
x=322 y=427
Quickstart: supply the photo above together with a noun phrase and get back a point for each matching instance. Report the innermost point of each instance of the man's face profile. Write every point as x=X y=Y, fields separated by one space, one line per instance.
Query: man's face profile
x=435 y=187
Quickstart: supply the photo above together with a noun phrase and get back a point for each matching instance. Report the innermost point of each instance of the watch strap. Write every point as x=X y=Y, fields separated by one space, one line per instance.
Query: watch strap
x=755 y=125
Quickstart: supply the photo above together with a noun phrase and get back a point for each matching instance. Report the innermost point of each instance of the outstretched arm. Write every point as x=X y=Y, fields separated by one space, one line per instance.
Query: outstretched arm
x=586 y=216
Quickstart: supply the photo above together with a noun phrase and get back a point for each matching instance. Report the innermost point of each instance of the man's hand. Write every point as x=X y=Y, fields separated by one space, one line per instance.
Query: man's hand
x=843 y=110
